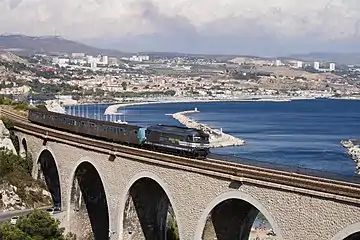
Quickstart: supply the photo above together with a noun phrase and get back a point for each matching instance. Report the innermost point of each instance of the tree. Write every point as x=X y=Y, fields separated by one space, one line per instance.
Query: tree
x=124 y=85
x=38 y=225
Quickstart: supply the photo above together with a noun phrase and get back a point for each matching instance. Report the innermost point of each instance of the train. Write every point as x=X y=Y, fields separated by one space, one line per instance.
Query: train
x=175 y=140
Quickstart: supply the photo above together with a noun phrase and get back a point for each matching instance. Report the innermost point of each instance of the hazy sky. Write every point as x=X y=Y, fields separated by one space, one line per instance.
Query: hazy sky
x=229 y=26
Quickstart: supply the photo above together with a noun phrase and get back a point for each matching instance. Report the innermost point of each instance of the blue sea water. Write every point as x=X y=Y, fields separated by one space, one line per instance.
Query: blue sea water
x=303 y=133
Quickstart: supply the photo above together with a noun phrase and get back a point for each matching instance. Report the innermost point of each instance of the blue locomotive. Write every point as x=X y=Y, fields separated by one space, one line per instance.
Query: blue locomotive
x=176 y=140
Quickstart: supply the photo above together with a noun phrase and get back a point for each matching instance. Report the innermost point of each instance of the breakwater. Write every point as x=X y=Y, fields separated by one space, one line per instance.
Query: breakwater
x=112 y=109
x=54 y=106
x=352 y=147
x=217 y=137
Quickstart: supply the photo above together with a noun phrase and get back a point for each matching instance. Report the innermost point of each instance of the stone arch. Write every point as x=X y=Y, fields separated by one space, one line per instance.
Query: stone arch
x=234 y=225
x=146 y=185
x=351 y=232
x=87 y=208
x=49 y=172
x=17 y=145
x=24 y=147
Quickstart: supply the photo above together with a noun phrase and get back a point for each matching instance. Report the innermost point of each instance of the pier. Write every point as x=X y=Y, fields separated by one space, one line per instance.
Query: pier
x=217 y=137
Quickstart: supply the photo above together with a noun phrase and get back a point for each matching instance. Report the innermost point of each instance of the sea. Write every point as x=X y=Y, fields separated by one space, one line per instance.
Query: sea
x=301 y=133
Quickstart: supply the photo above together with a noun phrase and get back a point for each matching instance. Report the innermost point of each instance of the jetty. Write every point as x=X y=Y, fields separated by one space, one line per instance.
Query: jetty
x=352 y=147
x=217 y=137
x=54 y=106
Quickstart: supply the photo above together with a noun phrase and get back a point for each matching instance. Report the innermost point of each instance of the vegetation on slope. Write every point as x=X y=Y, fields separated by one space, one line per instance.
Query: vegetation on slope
x=38 y=225
x=16 y=171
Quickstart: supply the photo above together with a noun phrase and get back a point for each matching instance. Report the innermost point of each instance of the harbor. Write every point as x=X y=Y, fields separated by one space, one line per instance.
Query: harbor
x=217 y=137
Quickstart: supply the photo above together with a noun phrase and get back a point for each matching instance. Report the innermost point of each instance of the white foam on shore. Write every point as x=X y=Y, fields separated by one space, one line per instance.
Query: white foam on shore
x=353 y=150
x=217 y=137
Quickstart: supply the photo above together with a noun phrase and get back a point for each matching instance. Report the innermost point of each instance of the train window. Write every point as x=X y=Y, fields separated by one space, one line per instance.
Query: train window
x=82 y=123
x=197 y=139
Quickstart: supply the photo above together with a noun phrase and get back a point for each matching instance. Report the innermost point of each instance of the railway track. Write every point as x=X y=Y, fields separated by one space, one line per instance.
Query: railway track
x=240 y=170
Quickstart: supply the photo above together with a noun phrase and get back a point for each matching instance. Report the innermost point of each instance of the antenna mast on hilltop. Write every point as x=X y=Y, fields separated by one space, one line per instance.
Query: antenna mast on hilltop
x=55 y=34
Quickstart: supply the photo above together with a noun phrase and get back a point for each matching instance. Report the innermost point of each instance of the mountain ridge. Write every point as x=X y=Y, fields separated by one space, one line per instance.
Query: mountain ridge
x=337 y=57
x=26 y=45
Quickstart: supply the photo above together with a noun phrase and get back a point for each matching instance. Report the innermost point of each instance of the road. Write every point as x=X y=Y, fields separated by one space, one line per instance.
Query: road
x=4 y=216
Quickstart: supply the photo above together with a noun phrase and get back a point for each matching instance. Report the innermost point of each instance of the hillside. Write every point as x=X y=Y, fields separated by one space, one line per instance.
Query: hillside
x=25 y=45
x=10 y=57
x=341 y=58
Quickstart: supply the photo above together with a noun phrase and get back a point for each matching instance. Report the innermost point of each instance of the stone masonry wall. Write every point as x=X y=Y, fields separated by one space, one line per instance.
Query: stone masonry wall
x=191 y=194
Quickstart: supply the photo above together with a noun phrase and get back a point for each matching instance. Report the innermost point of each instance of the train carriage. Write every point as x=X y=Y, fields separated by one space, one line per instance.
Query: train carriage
x=170 y=139
x=115 y=132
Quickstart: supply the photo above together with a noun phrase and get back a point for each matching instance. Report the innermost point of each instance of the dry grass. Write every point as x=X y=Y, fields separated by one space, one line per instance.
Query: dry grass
x=14 y=110
x=289 y=72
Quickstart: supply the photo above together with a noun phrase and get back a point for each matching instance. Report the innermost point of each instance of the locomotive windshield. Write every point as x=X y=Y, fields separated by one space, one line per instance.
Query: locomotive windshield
x=200 y=139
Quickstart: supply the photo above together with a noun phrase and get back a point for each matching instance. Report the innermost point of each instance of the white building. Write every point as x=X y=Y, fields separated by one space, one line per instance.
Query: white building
x=89 y=59
x=105 y=60
x=93 y=64
x=332 y=66
x=113 y=61
x=299 y=64
x=317 y=65
x=78 y=55
x=278 y=63
x=139 y=58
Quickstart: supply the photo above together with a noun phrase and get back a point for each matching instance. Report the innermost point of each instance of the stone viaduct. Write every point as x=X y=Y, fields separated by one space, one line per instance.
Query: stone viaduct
x=116 y=194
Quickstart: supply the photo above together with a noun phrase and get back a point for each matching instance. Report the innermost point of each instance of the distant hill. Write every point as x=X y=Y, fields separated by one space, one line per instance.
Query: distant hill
x=341 y=58
x=26 y=45
x=10 y=57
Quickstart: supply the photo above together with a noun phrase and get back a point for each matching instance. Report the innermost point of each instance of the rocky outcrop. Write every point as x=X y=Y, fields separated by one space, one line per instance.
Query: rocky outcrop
x=10 y=197
x=217 y=137
x=353 y=150
x=5 y=141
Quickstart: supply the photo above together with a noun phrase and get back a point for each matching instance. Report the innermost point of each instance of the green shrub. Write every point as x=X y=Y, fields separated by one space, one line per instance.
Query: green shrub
x=38 y=225
x=9 y=124
x=20 y=106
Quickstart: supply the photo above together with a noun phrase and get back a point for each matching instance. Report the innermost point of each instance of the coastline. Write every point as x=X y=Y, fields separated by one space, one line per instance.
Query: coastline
x=112 y=109
x=217 y=137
